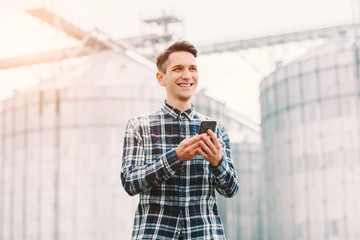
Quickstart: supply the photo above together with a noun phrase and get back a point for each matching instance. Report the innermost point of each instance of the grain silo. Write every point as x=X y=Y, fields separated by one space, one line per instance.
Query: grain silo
x=61 y=146
x=311 y=141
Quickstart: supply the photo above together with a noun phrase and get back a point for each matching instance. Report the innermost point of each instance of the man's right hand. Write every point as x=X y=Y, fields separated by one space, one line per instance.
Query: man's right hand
x=188 y=148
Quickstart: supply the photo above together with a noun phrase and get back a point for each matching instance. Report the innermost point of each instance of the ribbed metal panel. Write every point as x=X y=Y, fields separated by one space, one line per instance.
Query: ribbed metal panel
x=61 y=147
x=311 y=141
x=243 y=218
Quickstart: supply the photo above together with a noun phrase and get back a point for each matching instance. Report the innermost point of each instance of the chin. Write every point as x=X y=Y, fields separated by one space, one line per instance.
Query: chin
x=185 y=97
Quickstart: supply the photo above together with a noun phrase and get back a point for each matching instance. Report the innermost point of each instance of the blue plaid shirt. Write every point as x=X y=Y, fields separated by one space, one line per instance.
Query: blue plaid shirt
x=174 y=196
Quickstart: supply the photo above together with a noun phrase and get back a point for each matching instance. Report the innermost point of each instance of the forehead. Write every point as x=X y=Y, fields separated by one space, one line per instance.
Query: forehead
x=181 y=58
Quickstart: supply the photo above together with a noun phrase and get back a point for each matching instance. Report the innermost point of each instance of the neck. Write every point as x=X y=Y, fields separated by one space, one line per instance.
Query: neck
x=181 y=105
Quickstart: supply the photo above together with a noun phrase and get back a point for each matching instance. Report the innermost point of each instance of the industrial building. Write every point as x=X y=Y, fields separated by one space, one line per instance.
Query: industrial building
x=61 y=147
x=62 y=144
x=310 y=115
x=61 y=140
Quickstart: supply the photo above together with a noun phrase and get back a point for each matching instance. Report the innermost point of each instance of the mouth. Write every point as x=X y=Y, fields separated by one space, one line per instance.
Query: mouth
x=185 y=84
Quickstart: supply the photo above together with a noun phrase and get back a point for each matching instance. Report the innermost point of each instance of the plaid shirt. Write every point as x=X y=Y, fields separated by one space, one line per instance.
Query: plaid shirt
x=175 y=196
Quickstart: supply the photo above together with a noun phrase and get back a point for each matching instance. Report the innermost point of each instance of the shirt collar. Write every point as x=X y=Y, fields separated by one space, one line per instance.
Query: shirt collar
x=176 y=113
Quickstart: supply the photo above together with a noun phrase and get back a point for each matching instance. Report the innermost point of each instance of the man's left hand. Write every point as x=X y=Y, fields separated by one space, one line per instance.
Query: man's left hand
x=211 y=148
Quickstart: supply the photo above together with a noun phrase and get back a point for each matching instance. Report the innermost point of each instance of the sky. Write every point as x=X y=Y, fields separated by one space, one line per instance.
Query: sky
x=232 y=78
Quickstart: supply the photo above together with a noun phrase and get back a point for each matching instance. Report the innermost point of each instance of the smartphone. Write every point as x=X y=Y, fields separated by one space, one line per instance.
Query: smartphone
x=205 y=125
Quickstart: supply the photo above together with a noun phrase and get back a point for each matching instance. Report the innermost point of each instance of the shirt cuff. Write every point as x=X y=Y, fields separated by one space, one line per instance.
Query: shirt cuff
x=172 y=161
x=221 y=170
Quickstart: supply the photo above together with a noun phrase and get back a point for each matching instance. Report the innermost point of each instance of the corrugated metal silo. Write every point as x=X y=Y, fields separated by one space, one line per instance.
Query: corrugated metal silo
x=311 y=141
x=61 y=147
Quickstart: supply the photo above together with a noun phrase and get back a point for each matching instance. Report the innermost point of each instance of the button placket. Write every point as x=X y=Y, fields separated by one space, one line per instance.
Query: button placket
x=182 y=170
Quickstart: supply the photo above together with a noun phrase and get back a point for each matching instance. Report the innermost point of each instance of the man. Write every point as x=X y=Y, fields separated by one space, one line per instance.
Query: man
x=175 y=170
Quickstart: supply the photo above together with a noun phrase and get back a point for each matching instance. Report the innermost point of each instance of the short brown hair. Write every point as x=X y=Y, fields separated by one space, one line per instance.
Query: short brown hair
x=175 y=47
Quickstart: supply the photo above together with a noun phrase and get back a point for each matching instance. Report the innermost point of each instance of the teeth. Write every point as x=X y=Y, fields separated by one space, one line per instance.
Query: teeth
x=185 y=84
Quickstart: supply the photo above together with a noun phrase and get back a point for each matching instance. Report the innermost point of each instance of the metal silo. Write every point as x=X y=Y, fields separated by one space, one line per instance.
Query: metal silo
x=61 y=147
x=311 y=141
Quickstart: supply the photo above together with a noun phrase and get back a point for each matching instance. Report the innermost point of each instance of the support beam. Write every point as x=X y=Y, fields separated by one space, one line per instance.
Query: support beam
x=45 y=57
x=68 y=28
x=273 y=39
x=95 y=38
x=57 y=22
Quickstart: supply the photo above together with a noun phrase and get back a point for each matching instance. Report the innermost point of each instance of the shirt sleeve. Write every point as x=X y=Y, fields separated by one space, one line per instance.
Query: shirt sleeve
x=226 y=178
x=137 y=174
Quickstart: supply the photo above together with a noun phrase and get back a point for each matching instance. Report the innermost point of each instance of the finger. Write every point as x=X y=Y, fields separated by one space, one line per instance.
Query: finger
x=209 y=144
x=192 y=140
x=191 y=155
x=203 y=153
x=205 y=147
x=195 y=151
x=193 y=146
x=203 y=135
x=190 y=143
x=214 y=138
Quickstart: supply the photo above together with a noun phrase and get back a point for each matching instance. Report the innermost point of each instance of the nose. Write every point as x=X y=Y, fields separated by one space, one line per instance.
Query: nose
x=186 y=74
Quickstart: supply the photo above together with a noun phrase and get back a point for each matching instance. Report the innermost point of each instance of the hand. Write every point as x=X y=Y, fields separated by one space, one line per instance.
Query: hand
x=210 y=148
x=188 y=148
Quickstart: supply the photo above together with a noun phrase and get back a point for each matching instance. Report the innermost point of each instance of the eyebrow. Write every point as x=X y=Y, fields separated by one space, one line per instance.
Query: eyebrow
x=179 y=65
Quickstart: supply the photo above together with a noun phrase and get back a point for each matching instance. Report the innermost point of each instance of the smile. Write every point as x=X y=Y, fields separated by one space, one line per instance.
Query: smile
x=185 y=84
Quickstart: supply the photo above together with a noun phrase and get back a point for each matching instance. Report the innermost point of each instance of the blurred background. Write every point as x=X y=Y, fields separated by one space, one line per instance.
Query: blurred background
x=283 y=77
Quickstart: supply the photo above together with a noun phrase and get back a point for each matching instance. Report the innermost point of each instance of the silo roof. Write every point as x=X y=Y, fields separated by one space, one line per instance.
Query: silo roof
x=104 y=68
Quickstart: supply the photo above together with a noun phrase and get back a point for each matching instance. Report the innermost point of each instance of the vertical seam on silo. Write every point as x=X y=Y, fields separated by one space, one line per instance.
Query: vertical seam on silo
x=2 y=170
x=322 y=153
x=25 y=159
x=357 y=72
x=12 y=167
x=40 y=158
x=57 y=166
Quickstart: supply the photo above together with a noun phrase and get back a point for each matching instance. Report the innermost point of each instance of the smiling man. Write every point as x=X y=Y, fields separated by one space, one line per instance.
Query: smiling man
x=173 y=168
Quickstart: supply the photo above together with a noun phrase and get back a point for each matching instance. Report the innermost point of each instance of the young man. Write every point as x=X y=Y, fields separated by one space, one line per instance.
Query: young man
x=175 y=170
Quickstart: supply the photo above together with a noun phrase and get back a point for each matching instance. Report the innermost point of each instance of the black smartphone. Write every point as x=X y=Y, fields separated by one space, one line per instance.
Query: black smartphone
x=205 y=125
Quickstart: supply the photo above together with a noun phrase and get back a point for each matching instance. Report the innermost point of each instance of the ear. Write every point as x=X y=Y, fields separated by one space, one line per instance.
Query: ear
x=160 y=78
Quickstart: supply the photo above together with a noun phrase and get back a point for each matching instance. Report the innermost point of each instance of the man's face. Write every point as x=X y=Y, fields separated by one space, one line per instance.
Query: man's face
x=181 y=77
